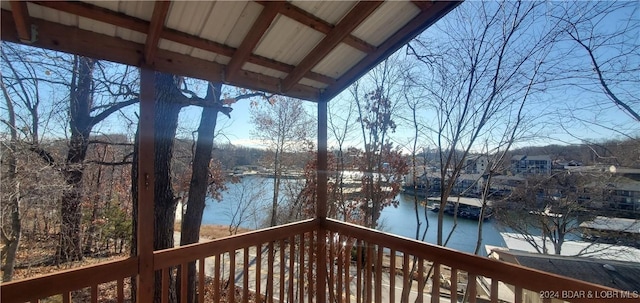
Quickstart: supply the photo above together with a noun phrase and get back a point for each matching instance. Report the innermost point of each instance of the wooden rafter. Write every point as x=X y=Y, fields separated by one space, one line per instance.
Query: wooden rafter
x=286 y=68
x=160 y=11
x=403 y=36
x=121 y=20
x=97 y=13
x=21 y=18
x=423 y=5
x=357 y=15
x=135 y=24
x=133 y=53
x=322 y=26
x=260 y=26
x=86 y=43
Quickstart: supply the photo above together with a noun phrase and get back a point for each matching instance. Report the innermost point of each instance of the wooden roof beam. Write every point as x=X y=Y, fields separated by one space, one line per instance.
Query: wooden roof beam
x=260 y=26
x=158 y=18
x=20 y=13
x=350 y=22
x=422 y=5
x=121 y=20
x=322 y=26
x=423 y=20
x=286 y=68
x=103 y=47
x=97 y=13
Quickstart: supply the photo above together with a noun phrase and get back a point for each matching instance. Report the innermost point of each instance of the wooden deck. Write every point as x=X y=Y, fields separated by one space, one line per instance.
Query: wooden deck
x=285 y=264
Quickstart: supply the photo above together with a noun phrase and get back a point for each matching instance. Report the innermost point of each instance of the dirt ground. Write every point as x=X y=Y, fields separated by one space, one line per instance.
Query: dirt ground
x=214 y=231
x=30 y=252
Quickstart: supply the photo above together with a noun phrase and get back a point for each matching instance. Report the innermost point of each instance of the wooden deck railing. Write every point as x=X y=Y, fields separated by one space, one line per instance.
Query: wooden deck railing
x=85 y=283
x=273 y=263
x=280 y=265
x=396 y=269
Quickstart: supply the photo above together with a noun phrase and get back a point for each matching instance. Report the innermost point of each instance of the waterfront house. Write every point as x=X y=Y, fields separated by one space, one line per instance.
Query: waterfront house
x=525 y=165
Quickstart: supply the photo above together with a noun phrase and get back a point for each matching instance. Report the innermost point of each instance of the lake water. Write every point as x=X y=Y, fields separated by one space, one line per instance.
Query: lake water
x=255 y=194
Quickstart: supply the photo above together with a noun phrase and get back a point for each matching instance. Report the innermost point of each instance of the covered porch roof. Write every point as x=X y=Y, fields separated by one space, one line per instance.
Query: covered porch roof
x=310 y=50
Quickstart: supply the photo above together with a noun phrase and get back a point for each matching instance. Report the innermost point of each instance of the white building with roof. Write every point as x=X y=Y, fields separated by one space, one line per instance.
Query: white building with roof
x=612 y=230
x=516 y=241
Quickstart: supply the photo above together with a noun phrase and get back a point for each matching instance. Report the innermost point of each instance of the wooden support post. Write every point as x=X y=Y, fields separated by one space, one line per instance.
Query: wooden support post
x=145 y=186
x=321 y=208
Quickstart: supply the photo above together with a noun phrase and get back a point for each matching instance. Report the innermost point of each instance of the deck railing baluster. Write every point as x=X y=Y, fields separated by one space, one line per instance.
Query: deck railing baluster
x=392 y=275
x=359 y=263
x=120 y=290
x=292 y=258
x=258 y=271
x=245 y=276
x=471 y=283
x=378 y=284
x=347 y=270
x=310 y=280
x=339 y=270
x=270 y=286
x=164 y=297
x=435 y=285
x=494 y=290
x=331 y=285
x=216 y=278
x=282 y=272
x=94 y=293
x=518 y=294
x=421 y=280
x=406 y=278
x=184 y=270
x=231 y=285
x=301 y=262
x=201 y=280
x=454 y=285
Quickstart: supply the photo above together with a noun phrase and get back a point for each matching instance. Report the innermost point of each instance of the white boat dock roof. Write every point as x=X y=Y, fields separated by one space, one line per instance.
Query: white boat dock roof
x=477 y=202
x=576 y=248
x=613 y=224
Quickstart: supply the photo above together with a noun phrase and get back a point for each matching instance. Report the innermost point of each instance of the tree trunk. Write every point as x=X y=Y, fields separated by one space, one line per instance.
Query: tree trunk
x=192 y=220
x=276 y=186
x=95 y=209
x=13 y=241
x=70 y=241
x=166 y=123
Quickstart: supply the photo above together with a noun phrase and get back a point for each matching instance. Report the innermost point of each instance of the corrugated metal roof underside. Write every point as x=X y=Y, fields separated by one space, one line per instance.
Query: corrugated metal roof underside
x=338 y=61
x=330 y=11
x=385 y=21
x=288 y=41
x=285 y=43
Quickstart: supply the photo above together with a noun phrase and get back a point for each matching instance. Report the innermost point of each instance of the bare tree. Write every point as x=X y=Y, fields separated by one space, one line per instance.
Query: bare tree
x=603 y=51
x=27 y=71
x=381 y=163
x=206 y=173
x=247 y=195
x=478 y=74
x=284 y=126
x=12 y=240
x=341 y=125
